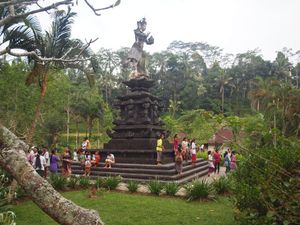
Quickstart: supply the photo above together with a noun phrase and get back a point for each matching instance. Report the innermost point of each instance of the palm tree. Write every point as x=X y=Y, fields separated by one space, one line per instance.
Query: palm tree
x=222 y=80
x=55 y=44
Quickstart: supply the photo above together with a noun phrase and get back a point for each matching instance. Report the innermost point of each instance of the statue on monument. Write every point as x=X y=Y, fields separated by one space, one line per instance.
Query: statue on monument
x=136 y=55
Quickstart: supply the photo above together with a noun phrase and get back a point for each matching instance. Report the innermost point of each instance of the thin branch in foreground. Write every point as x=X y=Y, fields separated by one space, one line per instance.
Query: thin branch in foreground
x=100 y=9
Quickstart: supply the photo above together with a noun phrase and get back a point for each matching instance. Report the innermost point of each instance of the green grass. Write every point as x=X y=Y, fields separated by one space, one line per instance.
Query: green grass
x=128 y=209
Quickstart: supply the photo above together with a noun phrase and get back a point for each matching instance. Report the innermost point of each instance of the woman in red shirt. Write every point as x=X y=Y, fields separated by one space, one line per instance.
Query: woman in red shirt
x=217 y=160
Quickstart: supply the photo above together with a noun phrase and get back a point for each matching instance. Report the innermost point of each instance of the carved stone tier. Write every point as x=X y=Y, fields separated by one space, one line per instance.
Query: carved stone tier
x=136 y=131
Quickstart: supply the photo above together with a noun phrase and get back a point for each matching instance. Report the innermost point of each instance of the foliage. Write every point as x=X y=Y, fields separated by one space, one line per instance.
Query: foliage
x=199 y=189
x=73 y=181
x=58 y=181
x=100 y=182
x=155 y=186
x=132 y=186
x=171 y=188
x=112 y=182
x=84 y=182
x=202 y=155
x=222 y=185
x=266 y=184
x=7 y=217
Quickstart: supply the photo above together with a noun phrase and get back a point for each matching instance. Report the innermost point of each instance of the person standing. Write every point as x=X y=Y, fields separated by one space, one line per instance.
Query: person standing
x=175 y=145
x=178 y=160
x=54 y=162
x=185 y=147
x=159 y=149
x=217 y=160
x=85 y=144
x=233 y=161
x=193 y=152
x=227 y=162
x=47 y=158
x=39 y=163
x=211 y=166
x=66 y=162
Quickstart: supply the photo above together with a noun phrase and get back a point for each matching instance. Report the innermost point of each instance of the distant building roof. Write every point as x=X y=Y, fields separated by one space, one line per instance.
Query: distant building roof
x=221 y=136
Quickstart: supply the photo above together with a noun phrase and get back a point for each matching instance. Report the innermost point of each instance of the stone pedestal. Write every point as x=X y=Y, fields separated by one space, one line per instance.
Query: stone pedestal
x=136 y=130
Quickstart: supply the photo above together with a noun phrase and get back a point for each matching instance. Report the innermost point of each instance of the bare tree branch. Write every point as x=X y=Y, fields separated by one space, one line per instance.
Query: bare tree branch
x=100 y=9
x=16 y=18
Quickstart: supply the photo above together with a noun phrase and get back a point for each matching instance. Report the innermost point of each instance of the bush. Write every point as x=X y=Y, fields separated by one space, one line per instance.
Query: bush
x=155 y=187
x=73 y=182
x=171 y=188
x=132 y=186
x=202 y=155
x=198 y=189
x=111 y=183
x=84 y=182
x=222 y=185
x=58 y=181
x=100 y=182
x=266 y=184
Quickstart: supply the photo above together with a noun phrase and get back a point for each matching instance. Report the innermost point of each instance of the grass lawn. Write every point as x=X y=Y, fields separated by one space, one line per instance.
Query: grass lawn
x=133 y=209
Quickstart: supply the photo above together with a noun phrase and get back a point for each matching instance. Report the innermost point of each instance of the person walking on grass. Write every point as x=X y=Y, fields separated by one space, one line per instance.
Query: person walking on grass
x=159 y=149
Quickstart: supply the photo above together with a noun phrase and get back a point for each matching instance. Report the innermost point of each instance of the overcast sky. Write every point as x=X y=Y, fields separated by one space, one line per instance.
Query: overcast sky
x=234 y=25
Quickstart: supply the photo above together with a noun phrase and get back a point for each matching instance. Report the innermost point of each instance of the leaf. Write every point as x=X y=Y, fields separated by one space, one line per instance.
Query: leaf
x=117 y=3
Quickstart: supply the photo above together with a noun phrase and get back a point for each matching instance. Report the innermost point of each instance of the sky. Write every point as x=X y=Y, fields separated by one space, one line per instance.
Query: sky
x=236 y=26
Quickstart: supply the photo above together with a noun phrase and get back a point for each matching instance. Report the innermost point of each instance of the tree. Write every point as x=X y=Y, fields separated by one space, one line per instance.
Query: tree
x=12 y=157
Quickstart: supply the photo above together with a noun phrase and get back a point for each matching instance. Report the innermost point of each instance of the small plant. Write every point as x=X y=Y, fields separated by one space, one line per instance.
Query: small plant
x=111 y=183
x=84 y=182
x=7 y=218
x=171 y=188
x=58 y=181
x=155 y=187
x=100 y=182
x=73 y=182
x=222 y=185
x=198 y=189
x=132 y=186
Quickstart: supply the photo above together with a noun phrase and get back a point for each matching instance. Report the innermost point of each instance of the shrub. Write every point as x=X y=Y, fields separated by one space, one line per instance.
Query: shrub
x=84 y=182
x=198 y=189
x=111 y=183
x=171 y=188
x=58 y=181
x=155 y=187
x=132 y=186
x=202 y=155
x=222 y=185
x=73 y=182
x=100 y=182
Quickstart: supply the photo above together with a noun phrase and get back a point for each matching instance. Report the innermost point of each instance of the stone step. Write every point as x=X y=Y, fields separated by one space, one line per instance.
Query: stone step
x=147 y=176
x=140 y=170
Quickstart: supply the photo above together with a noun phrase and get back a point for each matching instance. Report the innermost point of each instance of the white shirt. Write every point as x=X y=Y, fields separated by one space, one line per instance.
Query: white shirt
x=43 y=163
x=47 y=158
x=193 y=149
x=211 y=161
x=111 y=157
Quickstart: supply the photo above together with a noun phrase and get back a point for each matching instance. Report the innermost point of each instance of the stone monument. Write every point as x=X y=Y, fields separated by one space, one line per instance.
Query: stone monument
x=134 y=136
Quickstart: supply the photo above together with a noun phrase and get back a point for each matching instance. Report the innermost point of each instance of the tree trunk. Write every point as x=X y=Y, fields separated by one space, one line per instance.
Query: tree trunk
x=63 y=211
x=38 y=108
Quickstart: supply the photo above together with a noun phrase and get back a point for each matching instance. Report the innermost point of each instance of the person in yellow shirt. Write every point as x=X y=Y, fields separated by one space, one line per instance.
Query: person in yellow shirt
x=159 y=148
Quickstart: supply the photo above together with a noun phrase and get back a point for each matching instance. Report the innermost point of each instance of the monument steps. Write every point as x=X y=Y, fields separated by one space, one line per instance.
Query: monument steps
x=146 y=172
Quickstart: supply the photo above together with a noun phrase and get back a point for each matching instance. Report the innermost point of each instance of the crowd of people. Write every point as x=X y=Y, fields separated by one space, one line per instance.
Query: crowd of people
x=43 y=162
x=186 y=149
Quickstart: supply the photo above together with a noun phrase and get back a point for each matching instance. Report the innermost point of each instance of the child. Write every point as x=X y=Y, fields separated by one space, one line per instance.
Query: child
x=227 y=162
x=96 y=160
x=211 y=167
x=88 y=165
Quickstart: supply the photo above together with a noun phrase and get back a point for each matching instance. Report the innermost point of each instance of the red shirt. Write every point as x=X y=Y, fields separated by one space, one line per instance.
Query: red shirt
x=175 y=145
x=217 y=157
